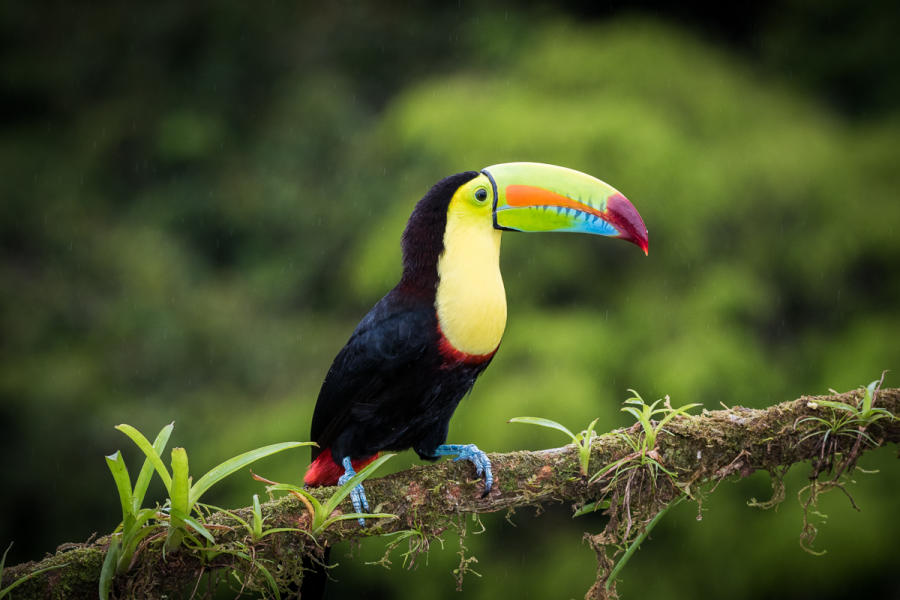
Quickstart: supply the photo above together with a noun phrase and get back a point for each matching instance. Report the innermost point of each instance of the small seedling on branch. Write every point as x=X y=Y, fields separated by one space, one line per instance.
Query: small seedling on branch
x=581 y=440
x=644 y=444
x=846 y=419
x=254 y=527
x=133 y=529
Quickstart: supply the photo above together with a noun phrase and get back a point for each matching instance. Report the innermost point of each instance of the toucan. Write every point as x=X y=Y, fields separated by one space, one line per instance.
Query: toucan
x=418 y=352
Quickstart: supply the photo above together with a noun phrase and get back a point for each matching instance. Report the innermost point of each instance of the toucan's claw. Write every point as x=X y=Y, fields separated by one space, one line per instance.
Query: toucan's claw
x=357 y=494
x=471 y=453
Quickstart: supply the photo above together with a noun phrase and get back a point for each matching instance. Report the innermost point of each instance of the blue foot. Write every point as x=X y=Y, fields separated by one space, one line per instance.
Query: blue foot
x=357 y=494
x=471 y=453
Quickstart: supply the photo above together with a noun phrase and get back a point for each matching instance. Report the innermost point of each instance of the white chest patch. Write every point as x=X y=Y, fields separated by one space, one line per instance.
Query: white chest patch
x=470 y=299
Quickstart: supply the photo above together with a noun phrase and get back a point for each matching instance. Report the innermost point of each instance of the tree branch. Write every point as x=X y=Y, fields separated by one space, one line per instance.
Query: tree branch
x=429 y=499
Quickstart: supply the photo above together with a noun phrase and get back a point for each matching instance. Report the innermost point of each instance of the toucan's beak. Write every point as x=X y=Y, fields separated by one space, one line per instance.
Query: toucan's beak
x=539 y=197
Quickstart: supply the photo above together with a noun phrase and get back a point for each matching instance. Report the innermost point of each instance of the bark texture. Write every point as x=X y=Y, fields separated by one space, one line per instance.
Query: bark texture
x=698 y=450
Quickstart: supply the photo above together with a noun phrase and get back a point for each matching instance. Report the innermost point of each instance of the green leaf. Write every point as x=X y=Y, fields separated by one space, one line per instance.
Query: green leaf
x=288 y=487
x=354 y=516
x=119 y=471
x=279 y=530
x=322 y=512
x=632 y=442
x=194 y=523
x=269 y=579
x=632 y=548
x=681 y=410
x=108 y=571
x=5 y=591
x=179 y=495
x=584 y=447
x=129 y=545
x=638 y=415
x=143 y=480
x=133 y=536
x=257 y=517
x=591 y=507
x=144 y=515
x=332 y=503
x=231 y=514
x=837 y=405
x=613 y=466
x=236 y=463
x=544 y=423
x=181 y=483
x=149 y=451
x=879 y=413
x=3 y=560
x=869 y=396
x=262 y=569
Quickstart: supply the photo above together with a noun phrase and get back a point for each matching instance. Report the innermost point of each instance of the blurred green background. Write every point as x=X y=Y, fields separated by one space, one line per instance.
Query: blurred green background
x=199 y=200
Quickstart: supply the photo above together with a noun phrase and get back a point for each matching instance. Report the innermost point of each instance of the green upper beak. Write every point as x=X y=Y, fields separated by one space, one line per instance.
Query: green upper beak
x=541 y=197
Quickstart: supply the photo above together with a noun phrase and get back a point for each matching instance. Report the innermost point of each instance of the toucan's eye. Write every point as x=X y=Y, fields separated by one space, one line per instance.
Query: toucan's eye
x=481 y=194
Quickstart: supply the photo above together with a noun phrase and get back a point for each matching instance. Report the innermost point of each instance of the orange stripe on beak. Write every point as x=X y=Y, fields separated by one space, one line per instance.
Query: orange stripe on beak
x=527 y=195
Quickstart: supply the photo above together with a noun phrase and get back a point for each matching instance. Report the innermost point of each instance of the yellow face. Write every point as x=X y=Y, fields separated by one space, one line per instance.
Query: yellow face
x=470 y=299
x=475 y=198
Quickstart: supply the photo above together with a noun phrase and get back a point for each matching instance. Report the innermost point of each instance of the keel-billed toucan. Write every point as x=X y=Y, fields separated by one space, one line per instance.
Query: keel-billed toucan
x=419 y=350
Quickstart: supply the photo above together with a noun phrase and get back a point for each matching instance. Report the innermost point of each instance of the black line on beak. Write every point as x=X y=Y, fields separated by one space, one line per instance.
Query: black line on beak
x=496 y=198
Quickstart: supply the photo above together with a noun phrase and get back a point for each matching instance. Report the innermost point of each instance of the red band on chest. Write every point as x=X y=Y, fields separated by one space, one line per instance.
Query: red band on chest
x=453 y=357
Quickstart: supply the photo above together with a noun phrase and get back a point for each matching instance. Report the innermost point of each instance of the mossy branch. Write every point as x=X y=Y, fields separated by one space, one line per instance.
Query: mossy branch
x=428 y=499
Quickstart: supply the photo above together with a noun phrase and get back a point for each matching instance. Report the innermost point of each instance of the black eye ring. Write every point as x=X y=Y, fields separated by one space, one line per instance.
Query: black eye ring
x=481 y=194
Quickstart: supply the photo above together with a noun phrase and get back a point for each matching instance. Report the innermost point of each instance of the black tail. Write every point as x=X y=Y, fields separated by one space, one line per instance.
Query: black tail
x=315 y=579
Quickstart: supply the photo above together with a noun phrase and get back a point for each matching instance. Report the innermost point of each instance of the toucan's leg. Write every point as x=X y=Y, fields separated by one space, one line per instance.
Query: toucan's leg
x=357 y=494
x=471 y=453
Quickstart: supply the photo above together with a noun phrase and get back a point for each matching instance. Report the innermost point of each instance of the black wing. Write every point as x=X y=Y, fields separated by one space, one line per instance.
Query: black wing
x=390 y=340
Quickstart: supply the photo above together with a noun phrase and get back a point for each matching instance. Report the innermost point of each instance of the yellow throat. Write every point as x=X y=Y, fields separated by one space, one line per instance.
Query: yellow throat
x=470 y=298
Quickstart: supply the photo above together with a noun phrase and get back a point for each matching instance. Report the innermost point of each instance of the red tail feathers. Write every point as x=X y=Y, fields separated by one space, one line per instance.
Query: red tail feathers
x=325 y=471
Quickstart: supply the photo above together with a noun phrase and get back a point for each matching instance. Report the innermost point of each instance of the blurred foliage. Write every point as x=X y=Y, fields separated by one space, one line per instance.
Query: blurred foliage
x=199 y=201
